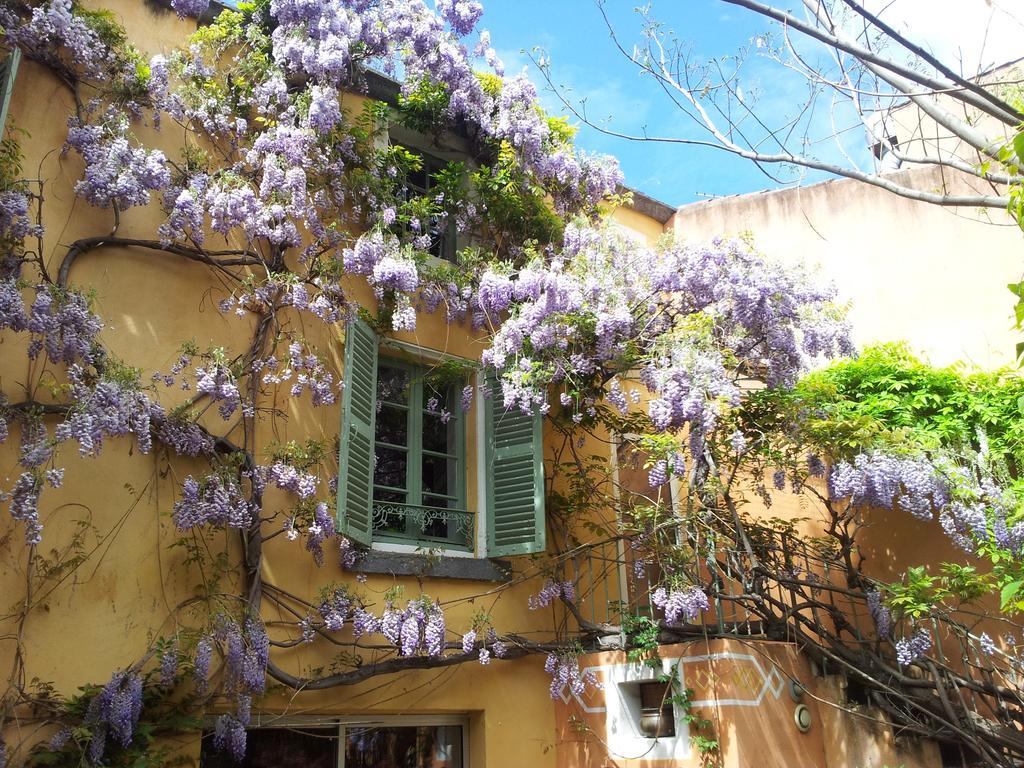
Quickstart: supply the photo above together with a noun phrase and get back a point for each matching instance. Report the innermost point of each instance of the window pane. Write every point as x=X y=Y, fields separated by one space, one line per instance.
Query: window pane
x=438 y=475
x=437 y=228
x=437 y=435
x=436 y=529
x=440 y=502
x=390 y=467
x=419 y=181
x=437 y=396
x=388 y=519
x=392 y=425
x=278 y=748
x=436 y=746
x=439 y=527
x=392 y=385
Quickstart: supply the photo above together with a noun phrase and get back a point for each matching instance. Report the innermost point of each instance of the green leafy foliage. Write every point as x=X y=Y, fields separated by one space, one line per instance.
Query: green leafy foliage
x=161 y=716
x=423 y=108
x=889 y=398
x=641 y=638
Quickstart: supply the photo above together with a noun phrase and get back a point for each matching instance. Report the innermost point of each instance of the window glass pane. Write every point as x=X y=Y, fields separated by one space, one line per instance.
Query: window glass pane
x=439 y=434
x=428 y=746
x=421 y=469
x=437 y=396
x=390 y=467
x=278 y=748
x=438 y=475
x=438 y=228
x=435 y=527
x=392 y=385
x=386 y=518
x=440 y=502
x=393 y=425
x=419 y=181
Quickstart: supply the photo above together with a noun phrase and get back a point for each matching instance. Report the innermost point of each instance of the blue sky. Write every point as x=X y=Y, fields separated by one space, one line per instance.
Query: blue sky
x=585 y=63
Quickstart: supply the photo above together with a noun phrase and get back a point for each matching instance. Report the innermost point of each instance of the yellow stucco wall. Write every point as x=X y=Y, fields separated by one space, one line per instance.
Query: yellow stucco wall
x=91 y=620
x=99 y=617
x=932 y=276
x=743 y=690
x=94 y=619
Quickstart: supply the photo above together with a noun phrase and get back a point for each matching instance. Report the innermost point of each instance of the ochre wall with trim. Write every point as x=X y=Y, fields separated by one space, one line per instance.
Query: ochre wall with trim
x=89 y=621
x=102 y=615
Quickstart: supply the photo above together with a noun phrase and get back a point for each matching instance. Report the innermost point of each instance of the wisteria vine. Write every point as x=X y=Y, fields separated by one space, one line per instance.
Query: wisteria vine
x=299 y=179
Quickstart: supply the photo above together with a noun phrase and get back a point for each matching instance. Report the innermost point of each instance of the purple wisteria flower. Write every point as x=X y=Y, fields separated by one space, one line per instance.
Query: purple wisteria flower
x=114 y=712
x=201 y=664
x=987 y=645
x=116 y=172
x=194 y=8
x=550 y=592
x=229 y=736
x=910 y=649
x=215 y=500
x=880 y=613
x=169 y=665
x=566 y=674
x=604 y=296
x=658 y=474
x=686 y=603
x=218 y=383
x=911 y=484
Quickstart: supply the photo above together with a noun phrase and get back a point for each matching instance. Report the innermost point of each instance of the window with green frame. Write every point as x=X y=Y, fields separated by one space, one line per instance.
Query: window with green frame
x=419 y=477
x=443 y=233
x=403 y=458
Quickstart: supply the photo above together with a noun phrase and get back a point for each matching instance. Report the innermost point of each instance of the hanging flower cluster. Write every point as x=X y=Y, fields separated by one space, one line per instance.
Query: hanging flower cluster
x=117 y=172
x=877 y=479
x=678 y=604
x=550 y=592
x=909 y=649
x=246 y=650
x=215 y=500
x=114 y=713
x=880 y=613
x=972 y=510
x=566 y=676
x=691 y=319
x=55 y=33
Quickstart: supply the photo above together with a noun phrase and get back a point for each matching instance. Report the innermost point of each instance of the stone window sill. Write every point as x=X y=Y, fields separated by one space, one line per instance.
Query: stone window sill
x=441 y=567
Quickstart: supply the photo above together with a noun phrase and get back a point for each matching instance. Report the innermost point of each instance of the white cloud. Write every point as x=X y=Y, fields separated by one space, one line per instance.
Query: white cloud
x=973 y=35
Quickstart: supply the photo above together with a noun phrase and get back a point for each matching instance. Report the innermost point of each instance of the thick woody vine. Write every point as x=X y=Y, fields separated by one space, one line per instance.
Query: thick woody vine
x=601 y=334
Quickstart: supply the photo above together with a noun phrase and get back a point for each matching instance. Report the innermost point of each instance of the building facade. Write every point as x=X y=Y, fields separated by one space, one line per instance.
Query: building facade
x=460 y=505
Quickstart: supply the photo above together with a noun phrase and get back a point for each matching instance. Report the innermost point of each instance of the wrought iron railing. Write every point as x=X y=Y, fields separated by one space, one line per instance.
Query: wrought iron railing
x=778 y=586
x=421 y=523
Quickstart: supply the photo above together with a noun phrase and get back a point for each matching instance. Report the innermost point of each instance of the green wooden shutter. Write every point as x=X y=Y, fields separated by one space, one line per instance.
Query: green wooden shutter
x=515 y=478
x=359 y=410
x=8 y=71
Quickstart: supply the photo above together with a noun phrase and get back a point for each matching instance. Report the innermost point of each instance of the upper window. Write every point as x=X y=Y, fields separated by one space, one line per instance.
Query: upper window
x=421 y=183
x=419 y=478
x=403 y=461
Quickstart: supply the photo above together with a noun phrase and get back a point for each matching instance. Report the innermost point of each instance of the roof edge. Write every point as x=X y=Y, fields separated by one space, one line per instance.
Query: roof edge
x=649 y=206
